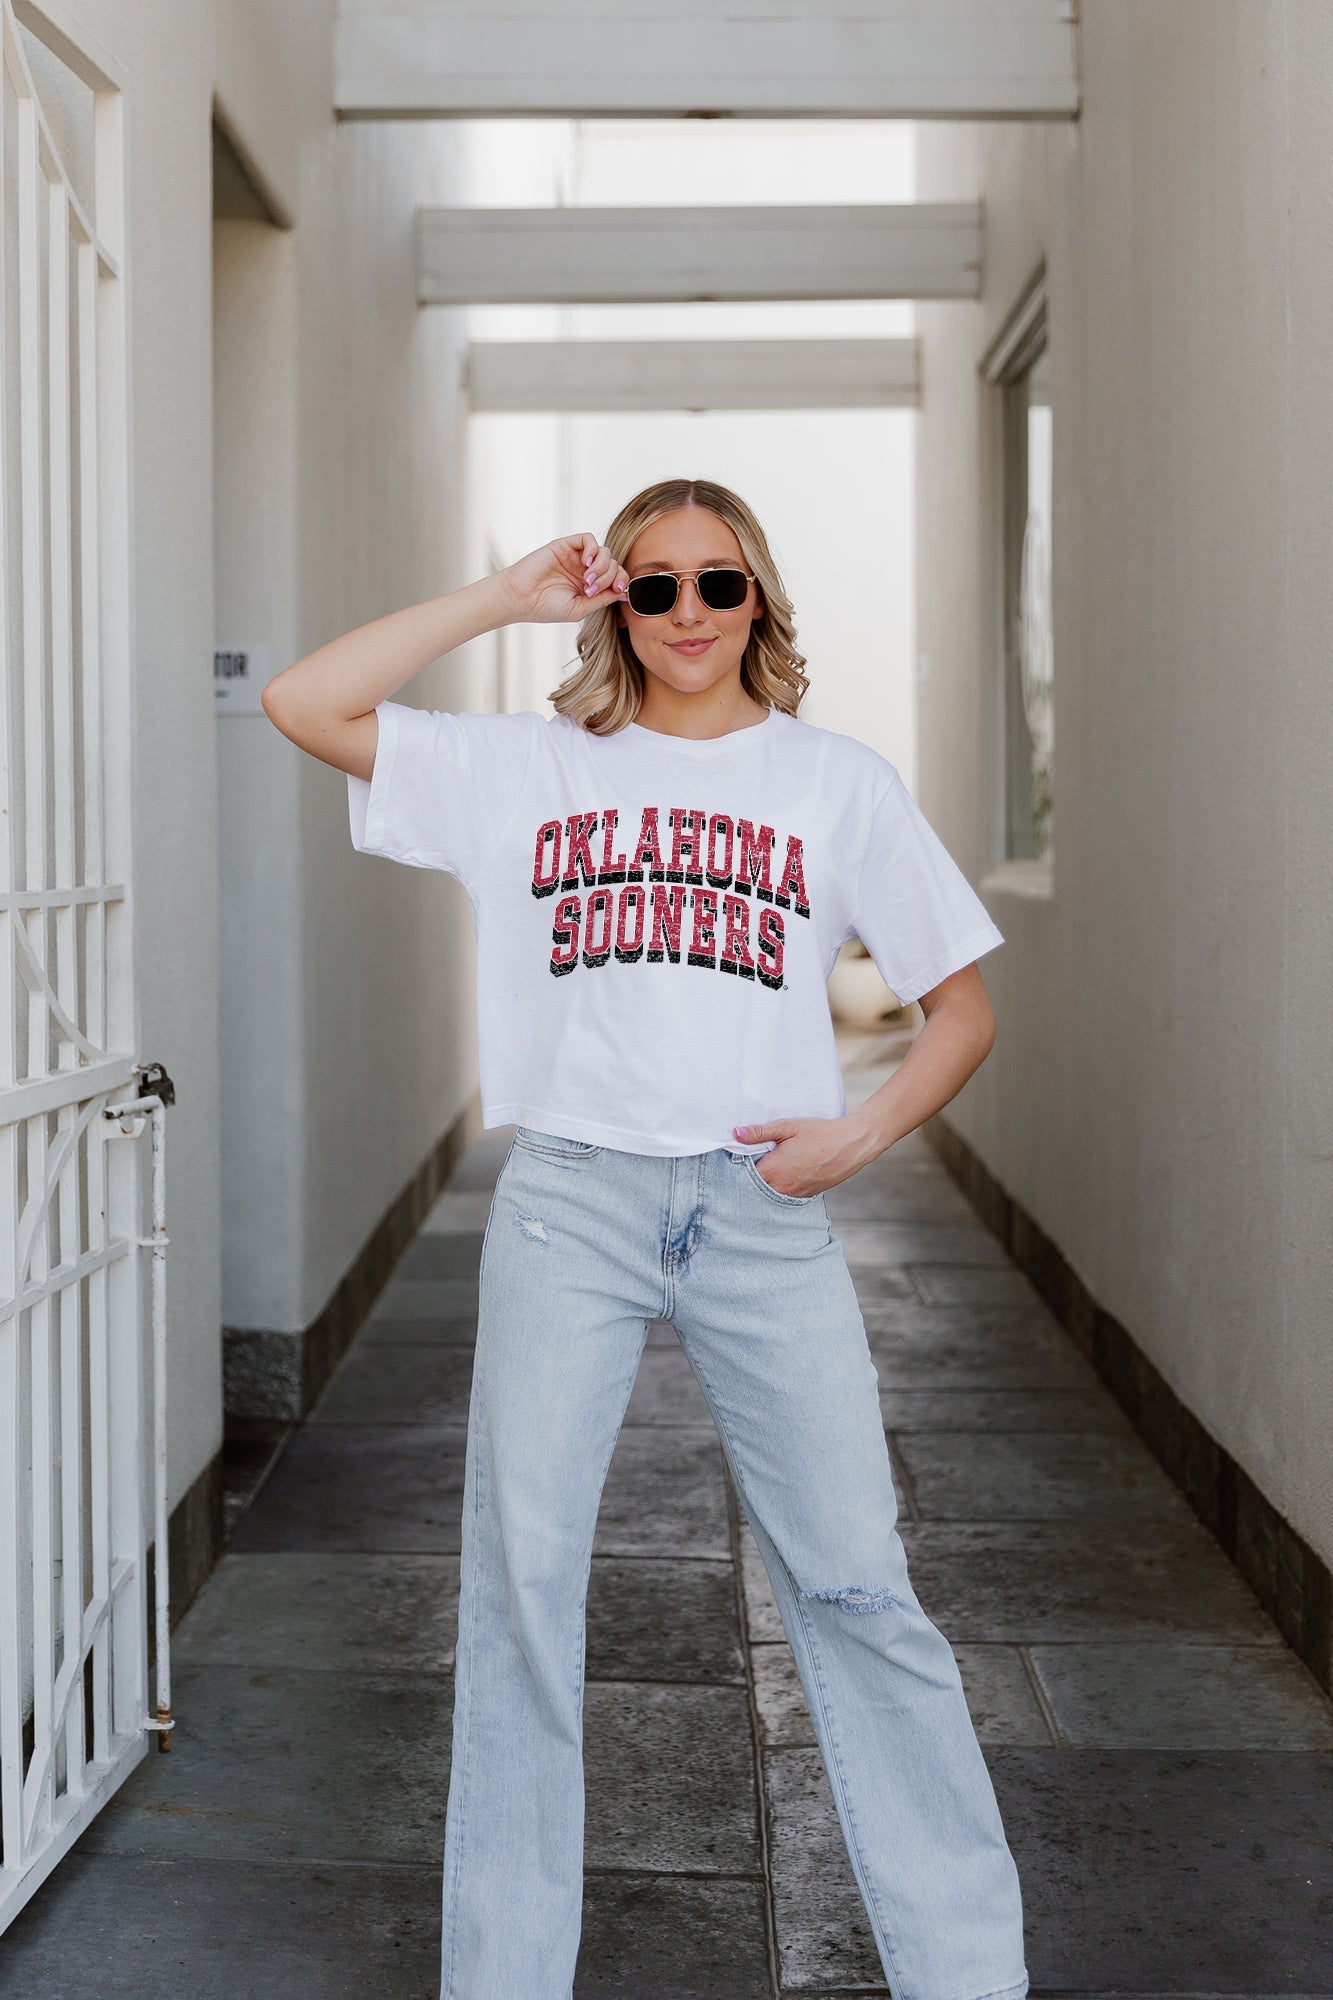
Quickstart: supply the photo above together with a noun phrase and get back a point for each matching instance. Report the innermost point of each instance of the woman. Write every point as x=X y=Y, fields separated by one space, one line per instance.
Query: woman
x=660 y=877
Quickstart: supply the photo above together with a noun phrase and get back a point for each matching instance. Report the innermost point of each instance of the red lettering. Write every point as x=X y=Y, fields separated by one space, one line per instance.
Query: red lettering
x=731 y=855
x=632 y=908
x=648 y=852
x=611 y=870
x=565 y=935
x=719 y=872
x=791 y=889
x=668 y=907
x=578 y=852
x=543 y=882
x=598 y=913
x=703 y=943
x=770 y=947
x=735 y=954
x=686 y=839
x=753 y=861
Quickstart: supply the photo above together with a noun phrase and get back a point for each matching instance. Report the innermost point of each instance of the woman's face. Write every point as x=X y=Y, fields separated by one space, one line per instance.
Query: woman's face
x=690 y=647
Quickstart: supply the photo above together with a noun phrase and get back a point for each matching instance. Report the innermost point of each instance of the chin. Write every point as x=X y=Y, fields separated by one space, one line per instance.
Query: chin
x=694 y=676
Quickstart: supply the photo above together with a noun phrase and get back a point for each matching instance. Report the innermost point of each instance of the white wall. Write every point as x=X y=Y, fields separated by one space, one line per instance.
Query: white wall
x=348 y=1032
x=168 y=59
x=1160 y=1094
x=341 y=999
x=261 y=1113
x=832 y=488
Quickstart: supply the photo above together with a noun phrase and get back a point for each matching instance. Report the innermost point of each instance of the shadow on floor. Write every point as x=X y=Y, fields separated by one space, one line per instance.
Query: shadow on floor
x=1164 y=1762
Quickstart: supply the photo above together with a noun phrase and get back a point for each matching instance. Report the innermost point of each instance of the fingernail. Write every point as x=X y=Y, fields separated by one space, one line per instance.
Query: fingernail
x=741 y=1131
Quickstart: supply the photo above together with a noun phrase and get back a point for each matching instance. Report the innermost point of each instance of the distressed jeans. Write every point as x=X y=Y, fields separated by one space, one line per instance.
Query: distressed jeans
x=583 y=1246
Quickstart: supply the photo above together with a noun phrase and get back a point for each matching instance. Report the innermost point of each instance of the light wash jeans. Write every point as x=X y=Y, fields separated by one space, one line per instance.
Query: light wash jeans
x=584 y=1245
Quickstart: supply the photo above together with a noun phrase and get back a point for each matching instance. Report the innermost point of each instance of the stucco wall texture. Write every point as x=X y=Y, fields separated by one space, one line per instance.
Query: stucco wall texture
x=313 y=1006
x=1160 y=1097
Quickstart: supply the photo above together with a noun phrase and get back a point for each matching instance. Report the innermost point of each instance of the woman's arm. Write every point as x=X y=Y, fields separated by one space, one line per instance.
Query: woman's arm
x=817 y=1153
x=326 y=702
x=958 y=1036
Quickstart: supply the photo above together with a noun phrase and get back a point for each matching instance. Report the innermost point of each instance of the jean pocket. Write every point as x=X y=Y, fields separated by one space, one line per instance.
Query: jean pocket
x=553 y=1144
x=747 y=1160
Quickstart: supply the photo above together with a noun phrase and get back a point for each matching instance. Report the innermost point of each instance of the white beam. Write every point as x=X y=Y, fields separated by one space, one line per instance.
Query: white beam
x=652 y=256
x=720 y=58
x=551 y=375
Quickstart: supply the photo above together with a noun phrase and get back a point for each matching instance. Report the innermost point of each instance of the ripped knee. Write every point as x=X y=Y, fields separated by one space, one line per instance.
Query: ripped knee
x=854 y=1598
x=533 y=1227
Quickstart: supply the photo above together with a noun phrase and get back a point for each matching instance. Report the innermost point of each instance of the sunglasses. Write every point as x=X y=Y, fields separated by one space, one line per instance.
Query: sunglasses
x=720 y=589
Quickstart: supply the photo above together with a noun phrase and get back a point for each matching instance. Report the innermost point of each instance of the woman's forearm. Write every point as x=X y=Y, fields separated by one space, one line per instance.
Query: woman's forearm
x=812 y=1154
x=324 y=702
x=956 y=1039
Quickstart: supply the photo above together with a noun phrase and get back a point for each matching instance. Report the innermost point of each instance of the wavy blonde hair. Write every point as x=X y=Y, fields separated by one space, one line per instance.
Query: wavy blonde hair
x=606 y=690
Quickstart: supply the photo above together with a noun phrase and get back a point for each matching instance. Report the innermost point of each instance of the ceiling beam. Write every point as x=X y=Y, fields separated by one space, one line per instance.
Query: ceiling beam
x=706 y=58
x=606 y=375
x=655 y=256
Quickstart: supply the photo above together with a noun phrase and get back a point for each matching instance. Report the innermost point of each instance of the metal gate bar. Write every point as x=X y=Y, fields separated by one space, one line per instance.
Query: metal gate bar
x=74 y=1431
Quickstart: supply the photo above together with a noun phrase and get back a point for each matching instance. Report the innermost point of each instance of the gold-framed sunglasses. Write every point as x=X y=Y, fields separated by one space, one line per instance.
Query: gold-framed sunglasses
x=719 y=587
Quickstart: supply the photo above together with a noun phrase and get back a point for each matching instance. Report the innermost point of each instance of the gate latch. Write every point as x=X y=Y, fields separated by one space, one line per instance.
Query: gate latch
x=154 y=1082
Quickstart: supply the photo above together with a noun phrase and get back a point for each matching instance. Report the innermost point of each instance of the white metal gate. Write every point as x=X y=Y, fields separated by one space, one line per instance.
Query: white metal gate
x=74 y=1428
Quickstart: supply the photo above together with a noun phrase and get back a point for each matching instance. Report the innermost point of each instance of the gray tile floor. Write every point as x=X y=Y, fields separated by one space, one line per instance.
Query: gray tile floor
x=1164 y=1762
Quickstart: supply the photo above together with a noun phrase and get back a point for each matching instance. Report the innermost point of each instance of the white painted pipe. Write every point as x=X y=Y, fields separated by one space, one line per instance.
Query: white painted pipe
x=131 y=1114
x=161 y=1565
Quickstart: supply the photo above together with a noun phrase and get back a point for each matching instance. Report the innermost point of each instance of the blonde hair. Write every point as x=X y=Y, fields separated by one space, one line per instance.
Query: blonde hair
x=605 y=691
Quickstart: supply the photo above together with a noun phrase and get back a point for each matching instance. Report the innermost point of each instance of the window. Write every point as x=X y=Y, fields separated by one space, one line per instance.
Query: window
x=1019 y=364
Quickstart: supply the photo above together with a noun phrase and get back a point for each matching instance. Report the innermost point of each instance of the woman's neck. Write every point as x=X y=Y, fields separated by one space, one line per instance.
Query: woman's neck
x=712 y=712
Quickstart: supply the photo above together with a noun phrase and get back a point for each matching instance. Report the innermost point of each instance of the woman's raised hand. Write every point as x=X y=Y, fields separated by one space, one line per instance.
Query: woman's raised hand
x=324 y=702
x=562 y=582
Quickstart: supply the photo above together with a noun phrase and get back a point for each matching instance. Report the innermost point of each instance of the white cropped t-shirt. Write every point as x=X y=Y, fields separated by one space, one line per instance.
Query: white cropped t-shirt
x=657 y=917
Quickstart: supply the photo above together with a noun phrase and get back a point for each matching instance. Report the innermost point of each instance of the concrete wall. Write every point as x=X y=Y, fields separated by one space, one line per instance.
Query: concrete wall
x=347 y=1024
x=168 y=59
x=1159 y=1098
x=322 y=1050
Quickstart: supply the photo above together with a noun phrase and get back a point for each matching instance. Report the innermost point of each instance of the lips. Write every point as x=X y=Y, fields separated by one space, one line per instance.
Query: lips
x=691 y=648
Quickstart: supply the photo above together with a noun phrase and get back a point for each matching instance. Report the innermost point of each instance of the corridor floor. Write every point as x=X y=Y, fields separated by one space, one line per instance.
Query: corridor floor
x=1164 y=1762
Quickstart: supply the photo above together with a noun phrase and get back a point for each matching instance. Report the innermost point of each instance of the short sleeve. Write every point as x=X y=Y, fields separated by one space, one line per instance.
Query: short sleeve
x=916 y=912
x=443 y=786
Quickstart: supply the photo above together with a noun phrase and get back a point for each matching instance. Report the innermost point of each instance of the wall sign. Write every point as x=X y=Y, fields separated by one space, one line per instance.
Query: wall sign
x=240 y=673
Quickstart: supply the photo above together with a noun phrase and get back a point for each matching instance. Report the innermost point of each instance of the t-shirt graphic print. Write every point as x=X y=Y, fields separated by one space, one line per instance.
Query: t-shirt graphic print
x=657 y=917
x=718 y=862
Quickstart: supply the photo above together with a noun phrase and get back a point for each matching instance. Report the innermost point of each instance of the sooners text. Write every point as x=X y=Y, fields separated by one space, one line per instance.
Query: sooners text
x=634 y=904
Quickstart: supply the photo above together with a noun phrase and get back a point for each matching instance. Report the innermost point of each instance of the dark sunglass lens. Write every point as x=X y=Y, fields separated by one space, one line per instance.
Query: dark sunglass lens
x=650 y=596
x=723 y=589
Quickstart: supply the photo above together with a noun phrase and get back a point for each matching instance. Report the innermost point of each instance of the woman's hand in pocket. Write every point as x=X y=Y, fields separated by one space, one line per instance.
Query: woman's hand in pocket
x=810 y=1155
